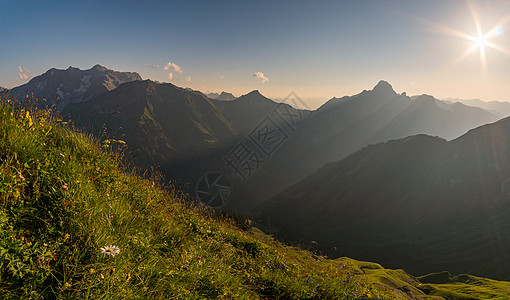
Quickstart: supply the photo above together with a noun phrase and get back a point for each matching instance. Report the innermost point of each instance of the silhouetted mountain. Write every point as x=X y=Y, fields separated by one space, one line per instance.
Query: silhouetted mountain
x=419 y=203
x=212 y=95
x=248 y=111
x=343 y=126
x=225 y=97
x=501 y=109
x=2 y=89
x=428 y=115
x=73 y=85
x=167 y=124
x=333 y=102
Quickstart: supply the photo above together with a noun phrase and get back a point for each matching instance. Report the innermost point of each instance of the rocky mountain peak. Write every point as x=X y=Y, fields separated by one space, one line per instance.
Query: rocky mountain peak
x=384 y=87
x=224 y=96
x=98 y=67
x=74 y=85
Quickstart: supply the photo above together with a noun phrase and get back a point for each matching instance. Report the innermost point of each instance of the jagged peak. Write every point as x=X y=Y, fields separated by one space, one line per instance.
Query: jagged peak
x=383 y=86
x=226 y=94
x=254 y=93
x=98 y=67
x=425 y=97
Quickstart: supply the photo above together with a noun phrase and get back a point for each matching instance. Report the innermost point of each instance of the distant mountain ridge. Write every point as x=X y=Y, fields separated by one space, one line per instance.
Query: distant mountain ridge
x=211 y=95
x=418 y=203
x=73 y=85
x=247 y=111
x=502 y=109
x=224 y=96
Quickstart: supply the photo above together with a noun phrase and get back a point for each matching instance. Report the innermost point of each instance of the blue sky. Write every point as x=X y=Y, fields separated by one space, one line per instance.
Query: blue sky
x=318 y=49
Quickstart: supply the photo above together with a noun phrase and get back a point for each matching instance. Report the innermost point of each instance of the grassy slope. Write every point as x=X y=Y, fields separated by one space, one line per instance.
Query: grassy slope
x=63 y=197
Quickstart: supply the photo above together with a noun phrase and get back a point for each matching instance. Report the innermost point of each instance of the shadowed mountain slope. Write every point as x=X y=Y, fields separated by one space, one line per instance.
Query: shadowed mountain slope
x=420 y=203
x=165 y=123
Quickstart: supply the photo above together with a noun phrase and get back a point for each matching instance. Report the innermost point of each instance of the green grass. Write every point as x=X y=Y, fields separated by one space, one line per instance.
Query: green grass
x=63 y=196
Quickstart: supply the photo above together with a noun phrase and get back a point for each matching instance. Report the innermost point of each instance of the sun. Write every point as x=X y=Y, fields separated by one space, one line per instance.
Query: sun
x=482 y=41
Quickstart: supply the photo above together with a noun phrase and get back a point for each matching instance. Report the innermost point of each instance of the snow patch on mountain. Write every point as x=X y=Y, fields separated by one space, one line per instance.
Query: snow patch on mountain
x=41 y=84
x=84 y=85
x=59 y=92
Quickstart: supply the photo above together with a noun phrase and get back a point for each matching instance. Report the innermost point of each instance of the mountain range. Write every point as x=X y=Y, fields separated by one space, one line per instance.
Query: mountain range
x=188 y=134
x=224 y=96
x=62 y=87
x=179 y=130
x=420 y=203
x=501 y=109
x=266 y=147
x=210 y=95
x=165 y=124
x=344 y=125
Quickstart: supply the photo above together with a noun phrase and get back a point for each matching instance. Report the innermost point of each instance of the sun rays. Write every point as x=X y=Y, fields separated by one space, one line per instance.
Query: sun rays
x=482 y=41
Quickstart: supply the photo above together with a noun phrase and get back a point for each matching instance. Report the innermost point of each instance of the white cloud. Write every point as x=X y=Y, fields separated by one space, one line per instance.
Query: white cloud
x=170 y=75
x=260 y=76
x=23 y=73
x=153 y=66
x=188 y=79
x=175 y=67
